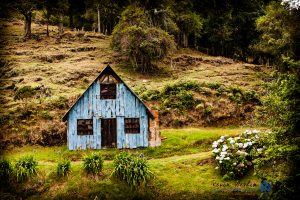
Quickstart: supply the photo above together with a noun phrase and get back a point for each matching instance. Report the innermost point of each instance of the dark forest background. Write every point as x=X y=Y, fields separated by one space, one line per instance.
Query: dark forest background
x=258 y=31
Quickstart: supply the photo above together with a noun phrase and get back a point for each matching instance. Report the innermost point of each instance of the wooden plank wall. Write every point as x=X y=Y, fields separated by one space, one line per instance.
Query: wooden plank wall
x=90 y=106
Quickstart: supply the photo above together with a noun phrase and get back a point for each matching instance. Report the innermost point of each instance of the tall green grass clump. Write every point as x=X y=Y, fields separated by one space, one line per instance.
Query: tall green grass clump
x=133 y=170
x=25 y=167
x=5 y=170
x=93 y=164
x=63 y=168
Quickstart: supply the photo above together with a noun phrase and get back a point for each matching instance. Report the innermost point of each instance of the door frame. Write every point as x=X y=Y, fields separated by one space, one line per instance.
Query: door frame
x=108 y=134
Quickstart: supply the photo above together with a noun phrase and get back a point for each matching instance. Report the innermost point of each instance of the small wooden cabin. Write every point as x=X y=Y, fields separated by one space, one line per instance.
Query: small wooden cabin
x=109 y=114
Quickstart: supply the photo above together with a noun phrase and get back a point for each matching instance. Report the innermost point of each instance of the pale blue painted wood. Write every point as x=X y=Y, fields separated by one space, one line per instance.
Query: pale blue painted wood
x=89 y=106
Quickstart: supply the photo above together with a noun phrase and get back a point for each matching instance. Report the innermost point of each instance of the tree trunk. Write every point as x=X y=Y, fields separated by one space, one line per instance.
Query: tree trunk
x=27 y=26
x=47 y=26
x=60 y=25
x=71 y=22
x=99 y=22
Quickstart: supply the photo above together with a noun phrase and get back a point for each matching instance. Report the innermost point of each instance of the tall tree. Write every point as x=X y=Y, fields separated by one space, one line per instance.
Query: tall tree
x=276 y=28
x=76 y=9
x=26 y=8
x=48 y=10
x=136 y=38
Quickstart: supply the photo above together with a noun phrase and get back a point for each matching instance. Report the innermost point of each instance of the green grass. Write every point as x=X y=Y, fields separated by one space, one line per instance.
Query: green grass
x=175 y=142
x=182 y=171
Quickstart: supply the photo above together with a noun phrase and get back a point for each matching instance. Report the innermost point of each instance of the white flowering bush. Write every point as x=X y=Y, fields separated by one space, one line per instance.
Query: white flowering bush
x=234 y=155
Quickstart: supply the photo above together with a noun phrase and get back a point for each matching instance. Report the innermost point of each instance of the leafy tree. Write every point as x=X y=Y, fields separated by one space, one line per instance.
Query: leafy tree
x=76 y=9
x=280 y=165
x=139 y=41
x=276 y=29
x=25 y=8
x=190 y=25
x=57 y=9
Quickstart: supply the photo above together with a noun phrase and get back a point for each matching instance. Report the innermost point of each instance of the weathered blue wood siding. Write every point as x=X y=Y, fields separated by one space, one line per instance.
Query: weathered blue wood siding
x=126 y=105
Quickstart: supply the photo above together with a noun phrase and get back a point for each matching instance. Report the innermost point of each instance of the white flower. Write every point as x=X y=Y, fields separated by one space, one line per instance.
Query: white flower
x=221 y=158
x=225 y=147
x=227 y=158
x=245 y=145
x=249 y=143
x=240 y=145
x=236 y=138
x=255 y=131
x=216 y=150
x=234 y=163
x=222 y=137
x=223 y=153
x=256 y=136
x=214 y=145
x=218 y=157
x=220 y=161
x=217 y=168
x=259 y=150
x=292 y=4
x=232 y=142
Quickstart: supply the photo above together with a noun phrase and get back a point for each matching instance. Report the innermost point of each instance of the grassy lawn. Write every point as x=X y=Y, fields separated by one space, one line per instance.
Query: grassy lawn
x=175 y=142
x=182 y=167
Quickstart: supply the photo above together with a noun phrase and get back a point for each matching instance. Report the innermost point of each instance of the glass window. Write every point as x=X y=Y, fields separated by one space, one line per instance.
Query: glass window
x=132 y=125
x=84 y=127
x=107 y=91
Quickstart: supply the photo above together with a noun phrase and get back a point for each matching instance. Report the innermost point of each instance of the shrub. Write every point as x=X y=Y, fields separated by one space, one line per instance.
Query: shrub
x=251 y=96
x=46 y=115
x=133 y=170
x=25 y=92
x=5 y=170
x=236 y=97
x=60 y=102
x=25 y=167
x=140 y=42
x=234 y=155
x=63 y=168
x=222 y=89
x=213 y=85
x=178 y=86
x=208 y=110
x=93 y=164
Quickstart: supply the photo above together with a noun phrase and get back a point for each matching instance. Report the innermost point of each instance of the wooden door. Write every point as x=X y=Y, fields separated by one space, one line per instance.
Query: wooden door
x=109 y=132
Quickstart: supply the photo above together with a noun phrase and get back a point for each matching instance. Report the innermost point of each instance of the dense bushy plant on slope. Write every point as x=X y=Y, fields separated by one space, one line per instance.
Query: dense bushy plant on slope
x=280 y=163
x=139 y=41
x=63 y=167
x=234 y=155
x=5 y=170
x=25 y=167
x=93 y=164
x=133 y=170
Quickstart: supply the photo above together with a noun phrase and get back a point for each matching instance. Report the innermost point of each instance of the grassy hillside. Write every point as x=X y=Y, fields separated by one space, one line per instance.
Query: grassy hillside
x=42 y=77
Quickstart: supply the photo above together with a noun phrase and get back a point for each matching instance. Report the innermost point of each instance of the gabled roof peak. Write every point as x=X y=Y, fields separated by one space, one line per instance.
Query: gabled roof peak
x=107 y=70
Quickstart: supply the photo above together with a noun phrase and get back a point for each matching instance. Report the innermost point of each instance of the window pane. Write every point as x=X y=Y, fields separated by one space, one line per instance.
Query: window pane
x=132 y=125
x=107 y=91
x=84 y=127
